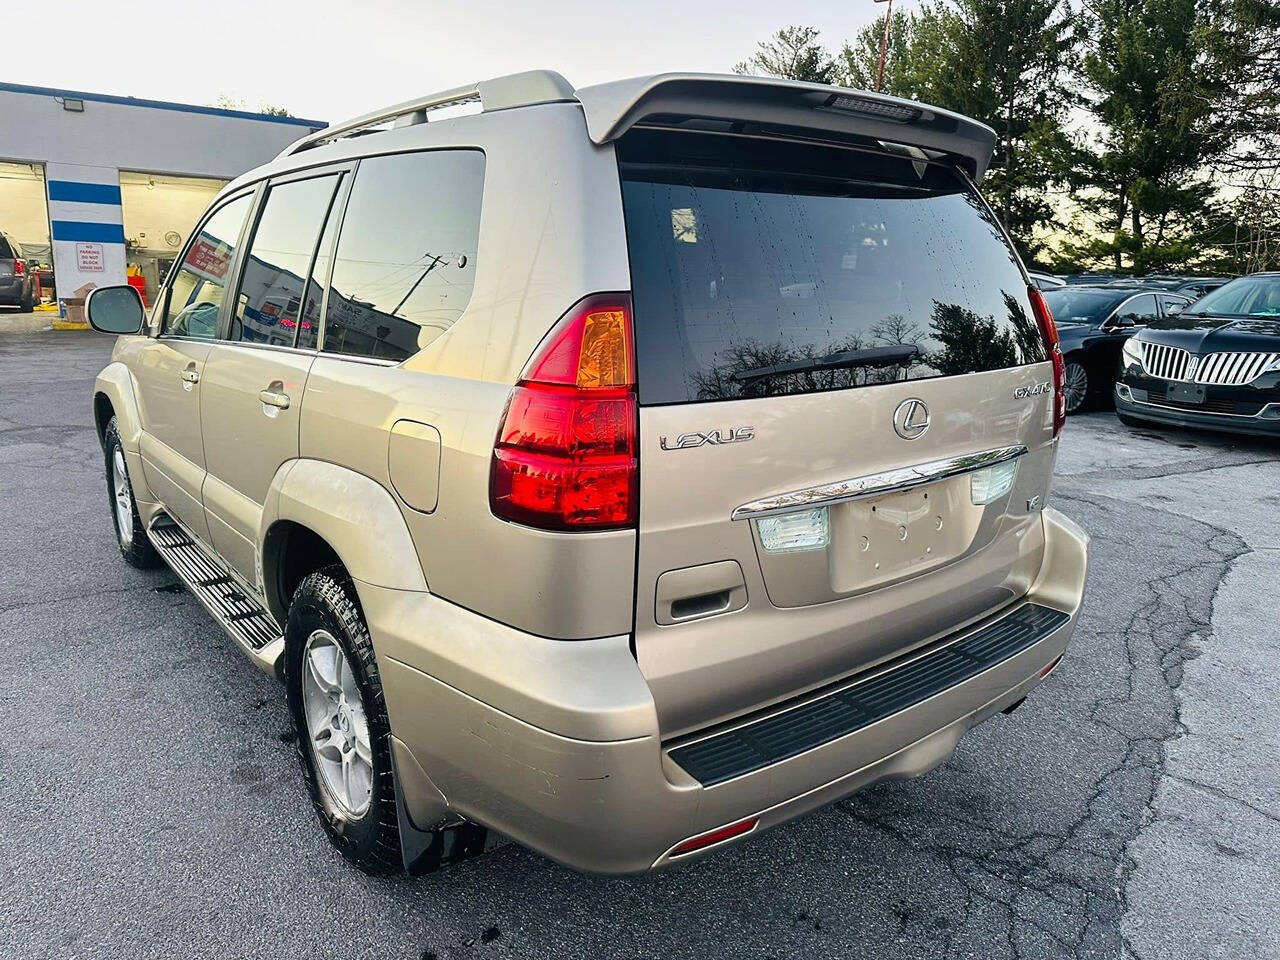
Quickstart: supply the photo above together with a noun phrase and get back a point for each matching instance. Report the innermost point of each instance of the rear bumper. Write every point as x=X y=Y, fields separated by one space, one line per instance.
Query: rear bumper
x=11 y=290
x=556 y=743
x=1134 y=402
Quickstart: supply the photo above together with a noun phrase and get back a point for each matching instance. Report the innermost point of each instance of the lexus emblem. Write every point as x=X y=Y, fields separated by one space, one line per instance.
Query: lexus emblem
x=911 y=419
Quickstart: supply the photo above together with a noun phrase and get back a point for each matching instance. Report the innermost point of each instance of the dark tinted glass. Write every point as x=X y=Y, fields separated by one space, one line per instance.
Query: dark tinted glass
x=406 y=258
x=1073 y=305
x=270 y=298
x=6 y=251
x=1140 y=310
x=197 y=289
x=749 y=256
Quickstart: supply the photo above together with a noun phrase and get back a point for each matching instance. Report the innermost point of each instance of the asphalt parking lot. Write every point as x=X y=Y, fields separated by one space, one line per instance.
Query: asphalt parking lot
x=151 y=806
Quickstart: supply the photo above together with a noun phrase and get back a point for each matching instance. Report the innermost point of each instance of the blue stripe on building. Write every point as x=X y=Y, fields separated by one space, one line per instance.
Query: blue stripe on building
x=84 y=192
x=77 y=231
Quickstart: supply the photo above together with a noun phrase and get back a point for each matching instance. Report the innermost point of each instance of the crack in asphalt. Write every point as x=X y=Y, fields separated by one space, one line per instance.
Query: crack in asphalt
x=1083 y=866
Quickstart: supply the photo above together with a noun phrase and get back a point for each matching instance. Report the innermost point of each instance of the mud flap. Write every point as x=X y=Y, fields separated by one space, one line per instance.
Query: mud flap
x=424 y=851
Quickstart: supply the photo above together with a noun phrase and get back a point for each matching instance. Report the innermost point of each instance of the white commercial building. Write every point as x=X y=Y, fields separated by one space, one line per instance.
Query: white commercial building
x=105 y=189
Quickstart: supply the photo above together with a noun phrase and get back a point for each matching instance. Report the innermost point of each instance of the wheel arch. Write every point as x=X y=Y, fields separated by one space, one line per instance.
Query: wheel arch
x=113 y=396
x=319 y=513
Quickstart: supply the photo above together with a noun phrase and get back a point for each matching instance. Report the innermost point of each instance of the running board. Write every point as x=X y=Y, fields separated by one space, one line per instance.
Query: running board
x=237 y=612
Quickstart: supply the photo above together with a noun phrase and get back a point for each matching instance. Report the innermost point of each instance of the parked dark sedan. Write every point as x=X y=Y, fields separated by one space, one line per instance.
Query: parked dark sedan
x=1215 y=365
x=1093 y=324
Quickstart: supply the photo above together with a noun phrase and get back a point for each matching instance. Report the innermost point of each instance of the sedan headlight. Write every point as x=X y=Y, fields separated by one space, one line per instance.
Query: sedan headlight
x=1132 y=350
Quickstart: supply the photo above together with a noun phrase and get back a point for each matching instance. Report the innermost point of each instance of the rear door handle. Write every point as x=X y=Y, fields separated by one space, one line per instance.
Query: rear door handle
x=274 y=398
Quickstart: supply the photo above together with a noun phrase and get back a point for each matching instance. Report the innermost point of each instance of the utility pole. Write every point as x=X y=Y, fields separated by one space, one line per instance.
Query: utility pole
x=884 y=44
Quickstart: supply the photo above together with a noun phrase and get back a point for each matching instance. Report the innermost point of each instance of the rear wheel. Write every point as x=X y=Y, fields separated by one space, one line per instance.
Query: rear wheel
x=340 y=717
x=1077 y=386
x=130 y=534
x=28 y=302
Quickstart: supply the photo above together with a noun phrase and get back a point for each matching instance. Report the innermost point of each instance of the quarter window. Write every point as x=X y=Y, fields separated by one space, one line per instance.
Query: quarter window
x=269 y=305
x=406 y=258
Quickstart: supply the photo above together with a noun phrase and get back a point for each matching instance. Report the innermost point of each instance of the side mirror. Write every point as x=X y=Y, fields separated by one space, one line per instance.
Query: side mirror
x=115 y=309
x=1123 y=320
x=1173 y=309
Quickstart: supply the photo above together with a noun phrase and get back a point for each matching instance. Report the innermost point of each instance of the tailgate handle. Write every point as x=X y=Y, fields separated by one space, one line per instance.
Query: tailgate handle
x=688 y=607
x=701 y=591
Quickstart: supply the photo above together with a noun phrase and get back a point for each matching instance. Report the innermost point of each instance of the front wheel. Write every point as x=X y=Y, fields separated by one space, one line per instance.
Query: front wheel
x=131 y=536
x=340 y=717
x=1077 y=386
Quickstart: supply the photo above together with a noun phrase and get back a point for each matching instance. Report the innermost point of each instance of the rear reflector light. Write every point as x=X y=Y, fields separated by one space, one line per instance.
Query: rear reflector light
x=704 y=840
x=565 y=457
x=1050 y=331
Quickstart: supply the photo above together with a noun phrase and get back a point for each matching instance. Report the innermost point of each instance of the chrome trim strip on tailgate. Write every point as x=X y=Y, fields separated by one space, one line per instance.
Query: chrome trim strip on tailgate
x=876 y=484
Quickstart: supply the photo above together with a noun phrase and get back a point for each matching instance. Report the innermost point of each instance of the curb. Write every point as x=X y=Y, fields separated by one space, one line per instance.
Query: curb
x=25 y=323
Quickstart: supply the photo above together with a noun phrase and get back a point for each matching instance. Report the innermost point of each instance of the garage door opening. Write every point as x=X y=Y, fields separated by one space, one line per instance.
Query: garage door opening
x=159 y=213
x=24 y=216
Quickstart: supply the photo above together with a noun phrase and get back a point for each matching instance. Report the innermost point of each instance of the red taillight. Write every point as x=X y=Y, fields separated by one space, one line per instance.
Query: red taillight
x=716 y=836
x=19 y=268
x=1044 y=316
x=565 y=457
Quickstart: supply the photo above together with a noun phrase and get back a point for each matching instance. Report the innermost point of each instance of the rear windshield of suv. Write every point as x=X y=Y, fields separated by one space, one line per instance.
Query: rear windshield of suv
x=766 y=268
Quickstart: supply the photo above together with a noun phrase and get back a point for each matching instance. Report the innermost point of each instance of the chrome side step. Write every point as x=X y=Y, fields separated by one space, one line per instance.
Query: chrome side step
x=237 y=612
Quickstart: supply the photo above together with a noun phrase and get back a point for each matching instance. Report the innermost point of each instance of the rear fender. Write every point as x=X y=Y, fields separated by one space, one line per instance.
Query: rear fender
x=355 y=515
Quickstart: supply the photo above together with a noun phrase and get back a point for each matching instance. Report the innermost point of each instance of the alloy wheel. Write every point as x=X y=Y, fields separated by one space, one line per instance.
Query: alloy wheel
x=123 y=498
x=337 y=727
x=1077 y=386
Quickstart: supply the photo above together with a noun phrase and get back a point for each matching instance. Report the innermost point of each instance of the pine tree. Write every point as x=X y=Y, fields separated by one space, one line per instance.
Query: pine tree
x=793 y=53
x=1156 y=88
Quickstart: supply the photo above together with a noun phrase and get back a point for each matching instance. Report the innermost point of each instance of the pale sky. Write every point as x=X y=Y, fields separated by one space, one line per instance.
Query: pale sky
x=329 y=60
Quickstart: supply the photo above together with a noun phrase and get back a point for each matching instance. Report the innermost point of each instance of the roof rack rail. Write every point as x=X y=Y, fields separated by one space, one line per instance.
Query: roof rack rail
x=500 y=93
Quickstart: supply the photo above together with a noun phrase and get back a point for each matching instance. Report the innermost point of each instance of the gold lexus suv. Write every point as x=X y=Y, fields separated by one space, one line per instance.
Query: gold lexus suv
x=623 y=470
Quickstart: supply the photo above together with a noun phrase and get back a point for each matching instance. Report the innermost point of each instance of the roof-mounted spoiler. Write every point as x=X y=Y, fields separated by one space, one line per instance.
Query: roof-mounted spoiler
x=613 y=108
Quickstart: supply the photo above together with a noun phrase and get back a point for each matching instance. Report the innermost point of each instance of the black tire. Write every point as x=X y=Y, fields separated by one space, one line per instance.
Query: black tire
x=1085 y=398
x=326 y=600
x=28 y=302
x=134 y=544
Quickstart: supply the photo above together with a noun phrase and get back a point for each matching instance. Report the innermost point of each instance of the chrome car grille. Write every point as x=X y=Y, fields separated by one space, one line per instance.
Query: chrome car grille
x=1223 y=369
x=1233 y=368
x=1165 y=362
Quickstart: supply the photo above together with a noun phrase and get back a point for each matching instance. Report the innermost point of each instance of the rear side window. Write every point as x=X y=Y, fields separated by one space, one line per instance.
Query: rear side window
x=269 y=302
x=753 y=260
x=406 y=258
x=6 y=251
